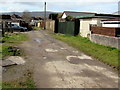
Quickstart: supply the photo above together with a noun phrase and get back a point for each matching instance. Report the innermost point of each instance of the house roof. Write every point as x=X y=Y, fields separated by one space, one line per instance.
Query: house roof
x=9 y=18
x=5 y=17
x=99 y=16
x=75 y=14
x=59 y=15
x=36 y=18
x=16 y=16
x=14 y=20
x=117 y=13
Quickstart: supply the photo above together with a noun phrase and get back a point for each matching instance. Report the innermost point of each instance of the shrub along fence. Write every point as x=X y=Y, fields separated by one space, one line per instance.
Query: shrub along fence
x=105 y=31
x=68 y=27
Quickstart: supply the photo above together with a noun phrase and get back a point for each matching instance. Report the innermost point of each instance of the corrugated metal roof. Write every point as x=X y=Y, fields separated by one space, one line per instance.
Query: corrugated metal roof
x=99 y=16
x=86 y=16
x=75 y=14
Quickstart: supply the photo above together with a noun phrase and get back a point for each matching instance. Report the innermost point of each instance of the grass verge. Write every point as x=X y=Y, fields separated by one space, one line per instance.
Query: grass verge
x=24 y=82
x=14 y=38
x=10 y=41
x=11 y=51
x=103 y=53
x=9 y=48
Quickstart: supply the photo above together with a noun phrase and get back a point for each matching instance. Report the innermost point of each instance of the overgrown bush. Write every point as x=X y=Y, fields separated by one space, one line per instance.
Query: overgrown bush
x=69 y=18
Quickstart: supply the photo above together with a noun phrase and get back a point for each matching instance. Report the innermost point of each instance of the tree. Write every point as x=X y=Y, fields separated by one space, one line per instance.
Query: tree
x=53 y=16
x=68 y=18
x=26 y=16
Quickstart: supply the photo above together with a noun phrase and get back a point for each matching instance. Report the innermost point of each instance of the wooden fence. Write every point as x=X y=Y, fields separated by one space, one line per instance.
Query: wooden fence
x=50 y=25
x=105 y=31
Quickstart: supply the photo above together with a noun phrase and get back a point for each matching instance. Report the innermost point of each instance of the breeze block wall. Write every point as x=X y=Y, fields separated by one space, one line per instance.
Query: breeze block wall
x=106 y=40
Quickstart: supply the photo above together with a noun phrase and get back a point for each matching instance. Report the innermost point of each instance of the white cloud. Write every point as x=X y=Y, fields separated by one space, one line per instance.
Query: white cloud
x=59 y=1
x=19 y=7
x=93 y=6
x=12 y=9
x=100 y=7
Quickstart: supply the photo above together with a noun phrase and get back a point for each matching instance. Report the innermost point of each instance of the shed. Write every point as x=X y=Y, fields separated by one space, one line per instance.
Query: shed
x=87 y=21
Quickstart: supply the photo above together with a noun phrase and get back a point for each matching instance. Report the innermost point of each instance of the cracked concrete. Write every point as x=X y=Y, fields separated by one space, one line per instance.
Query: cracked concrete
x=53 y=70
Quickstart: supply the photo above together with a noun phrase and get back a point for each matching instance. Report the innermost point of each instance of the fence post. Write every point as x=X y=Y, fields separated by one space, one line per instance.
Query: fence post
x=56 y=26
x=76 y=27
x=2 y=30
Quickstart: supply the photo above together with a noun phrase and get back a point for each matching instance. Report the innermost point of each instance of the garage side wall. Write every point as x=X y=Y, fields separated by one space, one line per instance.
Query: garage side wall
x=84 y=27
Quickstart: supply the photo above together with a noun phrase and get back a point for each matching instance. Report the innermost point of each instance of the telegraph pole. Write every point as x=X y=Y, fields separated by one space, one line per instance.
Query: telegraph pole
x=45 y=16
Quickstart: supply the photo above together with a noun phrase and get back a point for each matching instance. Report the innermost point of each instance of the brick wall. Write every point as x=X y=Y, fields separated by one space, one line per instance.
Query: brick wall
x=105 y=31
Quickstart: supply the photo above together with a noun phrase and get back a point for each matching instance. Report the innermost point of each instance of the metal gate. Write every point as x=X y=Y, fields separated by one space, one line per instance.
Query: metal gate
x=69 y=27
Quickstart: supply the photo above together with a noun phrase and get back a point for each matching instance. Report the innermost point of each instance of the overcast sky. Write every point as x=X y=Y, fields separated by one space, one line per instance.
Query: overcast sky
x=99 y=6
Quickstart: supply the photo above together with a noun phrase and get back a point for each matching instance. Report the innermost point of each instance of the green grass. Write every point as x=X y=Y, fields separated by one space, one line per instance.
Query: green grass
x=9 y=48
x=105 y=54
x=10 y=40
x=15 y=38
x=16 y=84
x=24 y=82
x=10 y=51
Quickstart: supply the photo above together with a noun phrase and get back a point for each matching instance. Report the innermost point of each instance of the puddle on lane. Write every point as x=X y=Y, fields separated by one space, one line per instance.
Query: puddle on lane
x=77 y=59
x=37 y=40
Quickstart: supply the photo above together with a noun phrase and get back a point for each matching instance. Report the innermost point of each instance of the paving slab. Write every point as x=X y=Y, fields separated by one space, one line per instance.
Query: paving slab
x=51 y=50
x=12 y=60
x=7 y=63
x=16 y=59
